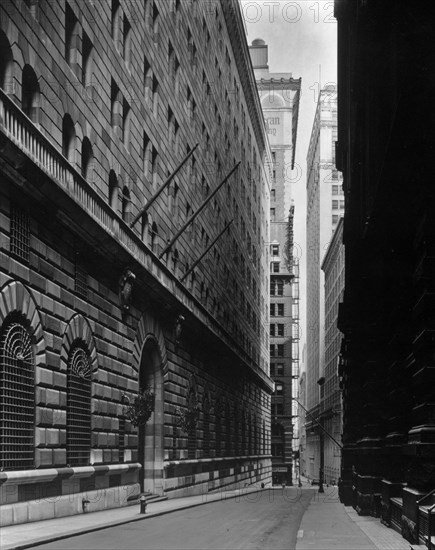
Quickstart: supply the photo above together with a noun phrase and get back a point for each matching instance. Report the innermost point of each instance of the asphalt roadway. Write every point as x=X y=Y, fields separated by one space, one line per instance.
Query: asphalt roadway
x=264 y=520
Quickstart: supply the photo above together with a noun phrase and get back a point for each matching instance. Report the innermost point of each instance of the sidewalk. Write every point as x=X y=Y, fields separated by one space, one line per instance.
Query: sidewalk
x=29 y=534
x=329 y=525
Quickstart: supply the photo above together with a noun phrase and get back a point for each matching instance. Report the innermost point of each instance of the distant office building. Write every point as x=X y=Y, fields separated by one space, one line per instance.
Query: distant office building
x=110 y=310
x=279 y=94
x=325 y=205
x=330 y=394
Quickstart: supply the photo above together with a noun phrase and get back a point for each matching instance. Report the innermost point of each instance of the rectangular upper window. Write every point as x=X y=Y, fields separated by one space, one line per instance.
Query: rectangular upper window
x=71 y=37
x=20 y=233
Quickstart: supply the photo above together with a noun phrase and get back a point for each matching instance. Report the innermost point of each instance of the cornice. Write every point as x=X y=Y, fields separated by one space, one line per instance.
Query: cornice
x=236 y=31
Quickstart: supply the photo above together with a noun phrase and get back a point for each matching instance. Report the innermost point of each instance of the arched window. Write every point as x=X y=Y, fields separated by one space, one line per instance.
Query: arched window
x=206 y=426
x=127 y=41
x=6 y=62
x=78 y=407
x=32 y=5
x=228 y=429
x=236 y=430
x=30 y=94
x=68 y=138
x=148 y=83
x=173 y=201
x=72 y=38
x=175 y=258
x=243 y=422
x=192 y=433
x=116 y=108
x=255 y=447
x=113 y=191
x=249 y=434
x=156 y=90
x=115 y=22
x=153 y=236
x=192 y=281
x=147 y=149
x=125 y=212
x=17 y=389
x=264 y=437
x=87 y=48
x=87 y=159
x=218 y=410
x=144 y=227
x=155 y=168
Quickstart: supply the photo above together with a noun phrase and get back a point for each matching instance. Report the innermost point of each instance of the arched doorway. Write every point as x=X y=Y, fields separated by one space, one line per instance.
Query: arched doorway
x=150 y=440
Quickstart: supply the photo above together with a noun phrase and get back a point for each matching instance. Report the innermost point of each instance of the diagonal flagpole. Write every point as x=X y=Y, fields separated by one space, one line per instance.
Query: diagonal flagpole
x=167 y=182
x=200 y=209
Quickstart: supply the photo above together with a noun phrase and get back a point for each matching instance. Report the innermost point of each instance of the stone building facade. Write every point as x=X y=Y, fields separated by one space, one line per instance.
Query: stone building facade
x=330 y=393
x=279 y=94
x=101 y=299
x=325 y=204
x=385 y=150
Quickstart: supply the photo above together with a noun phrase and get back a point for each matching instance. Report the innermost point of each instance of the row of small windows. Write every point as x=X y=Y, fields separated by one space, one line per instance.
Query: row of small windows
x=122 y=35
x=233 y=436
x=276 y=369
x=277 y=350
x=276 y=329
x=20 y=234
x=277 y=409
x=277 y=310
x=276 y=288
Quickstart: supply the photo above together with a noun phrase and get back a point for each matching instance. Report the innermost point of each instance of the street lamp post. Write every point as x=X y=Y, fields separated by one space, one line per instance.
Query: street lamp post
x=322 y=459
x=321 y=381
x=300 y=456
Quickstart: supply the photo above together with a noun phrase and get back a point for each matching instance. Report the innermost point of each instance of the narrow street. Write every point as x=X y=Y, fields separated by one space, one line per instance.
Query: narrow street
x=268 y=520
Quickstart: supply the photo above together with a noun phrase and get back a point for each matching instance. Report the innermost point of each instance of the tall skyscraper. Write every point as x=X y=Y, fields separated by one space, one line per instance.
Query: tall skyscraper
x=330 y=394
x=325 y=205
x=279 y=94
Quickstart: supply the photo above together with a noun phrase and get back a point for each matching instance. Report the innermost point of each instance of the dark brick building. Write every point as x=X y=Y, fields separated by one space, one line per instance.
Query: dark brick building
x=99 y=104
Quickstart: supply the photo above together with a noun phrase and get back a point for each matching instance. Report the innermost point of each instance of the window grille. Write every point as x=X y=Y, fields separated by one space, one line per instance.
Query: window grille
x=17 y=397
x=243 y=433
x=81 y=279
x=227 y=430
x=78 y=441
x=20 y=233
x=192 y=434
x=121 y=442
x=206 y=436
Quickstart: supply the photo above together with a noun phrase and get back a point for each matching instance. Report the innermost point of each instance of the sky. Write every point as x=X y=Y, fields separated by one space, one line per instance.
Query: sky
x=302 y=40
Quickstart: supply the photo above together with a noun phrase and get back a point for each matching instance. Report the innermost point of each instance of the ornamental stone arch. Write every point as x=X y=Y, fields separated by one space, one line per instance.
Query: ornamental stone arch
x=78 y=328
x=149 y=329
x=273 y=99
x=150 y=361
x=79 y=360
x=11 y=60
x=15 y=297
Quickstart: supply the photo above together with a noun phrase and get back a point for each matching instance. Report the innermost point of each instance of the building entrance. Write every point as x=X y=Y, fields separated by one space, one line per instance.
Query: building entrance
x=150 y=436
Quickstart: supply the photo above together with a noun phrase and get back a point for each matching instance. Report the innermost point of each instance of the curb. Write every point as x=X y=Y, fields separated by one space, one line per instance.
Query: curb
x=76 y=533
